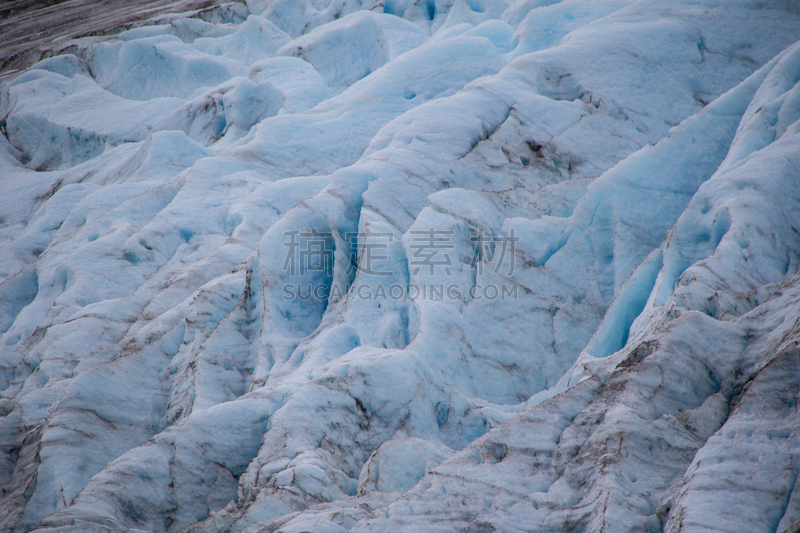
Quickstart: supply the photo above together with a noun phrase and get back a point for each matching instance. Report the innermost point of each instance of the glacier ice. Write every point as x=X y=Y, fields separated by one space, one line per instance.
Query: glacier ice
x=623 y=174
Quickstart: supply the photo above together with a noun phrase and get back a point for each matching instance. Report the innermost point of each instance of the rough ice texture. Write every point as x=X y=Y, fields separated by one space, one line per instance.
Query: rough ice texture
x=645 y=377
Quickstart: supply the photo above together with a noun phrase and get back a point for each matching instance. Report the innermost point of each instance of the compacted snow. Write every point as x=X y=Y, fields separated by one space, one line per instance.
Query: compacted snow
x=433 y=265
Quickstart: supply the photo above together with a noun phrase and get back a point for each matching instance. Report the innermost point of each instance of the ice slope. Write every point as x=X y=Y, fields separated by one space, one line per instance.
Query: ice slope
x=161 y=369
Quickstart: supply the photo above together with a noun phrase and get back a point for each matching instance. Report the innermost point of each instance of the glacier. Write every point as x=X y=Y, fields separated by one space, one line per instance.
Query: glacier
x=403 y=265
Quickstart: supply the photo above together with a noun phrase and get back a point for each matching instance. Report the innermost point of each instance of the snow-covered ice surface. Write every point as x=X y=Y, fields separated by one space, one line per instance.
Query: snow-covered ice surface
x=439 y=265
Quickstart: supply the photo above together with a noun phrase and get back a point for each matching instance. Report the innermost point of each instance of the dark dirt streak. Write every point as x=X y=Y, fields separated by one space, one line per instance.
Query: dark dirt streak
x=32 y=30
